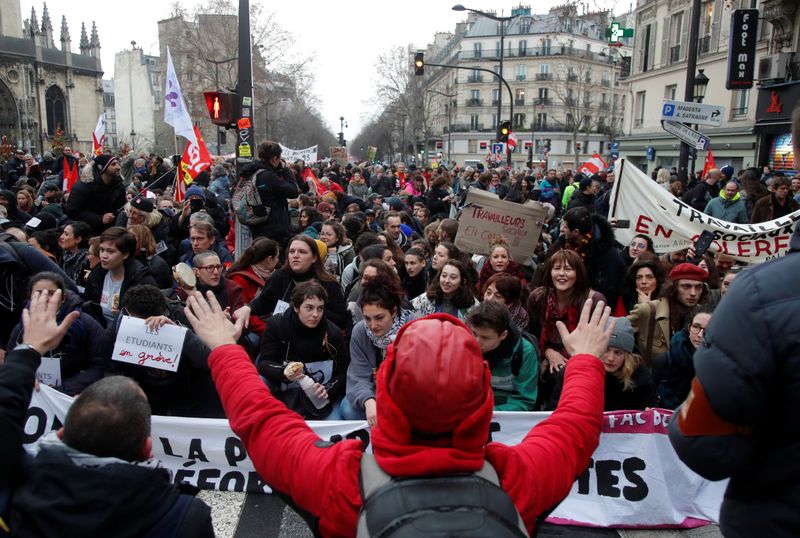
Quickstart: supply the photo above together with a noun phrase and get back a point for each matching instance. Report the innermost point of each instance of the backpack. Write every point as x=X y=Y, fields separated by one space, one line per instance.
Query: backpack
x=516 y=358
x=463 y=505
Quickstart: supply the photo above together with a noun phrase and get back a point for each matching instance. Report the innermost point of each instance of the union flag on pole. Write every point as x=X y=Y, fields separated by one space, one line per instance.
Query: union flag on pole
x=99 y=135
x=195 y=159
x=710 y=163
x=594 y=165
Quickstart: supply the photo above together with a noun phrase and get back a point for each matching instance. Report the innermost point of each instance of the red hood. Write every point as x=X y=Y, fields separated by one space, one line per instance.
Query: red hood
x=433 y=380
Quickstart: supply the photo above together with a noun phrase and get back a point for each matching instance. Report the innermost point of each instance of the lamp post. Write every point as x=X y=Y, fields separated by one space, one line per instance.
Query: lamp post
x=216 y=84
x=502 y=21
x=342 y=125
x=448 y=108
x=700 y=86
x=688 y=95
x=133 y=140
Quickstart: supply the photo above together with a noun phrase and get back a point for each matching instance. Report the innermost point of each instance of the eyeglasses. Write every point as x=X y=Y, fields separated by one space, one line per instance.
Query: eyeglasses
x=695 y=328
x=212 y=268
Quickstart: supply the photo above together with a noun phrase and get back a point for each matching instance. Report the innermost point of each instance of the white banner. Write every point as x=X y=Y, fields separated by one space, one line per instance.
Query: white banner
x=308 y=155
x=674 y=225
x=634 y=478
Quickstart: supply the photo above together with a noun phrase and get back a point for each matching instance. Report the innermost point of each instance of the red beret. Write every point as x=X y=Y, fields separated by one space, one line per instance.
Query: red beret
x=687 y=271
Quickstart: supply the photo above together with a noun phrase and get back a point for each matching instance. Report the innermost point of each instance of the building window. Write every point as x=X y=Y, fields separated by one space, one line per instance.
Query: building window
x=739 y=103
x=676 y=29
x=585 y=147
x=649 y=37
x=525 y=25
x=473 y=123
x=475 y=94
x=569 y=146
x=519 y=121
x=494 y=121
x=544 y=68
x=495 y=96
x=523 y=47
x=541 y=122
x=522 y=71
x=670 y=92
x=472 y=145
x=519 y=96
x=544 y=94
x=55 y=106
x=640 y=101
x=476 y=50
x=546 y=45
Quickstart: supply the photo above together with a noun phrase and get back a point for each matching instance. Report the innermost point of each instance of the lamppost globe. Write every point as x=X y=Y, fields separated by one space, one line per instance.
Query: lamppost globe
x=459 y=7
x=700 y=85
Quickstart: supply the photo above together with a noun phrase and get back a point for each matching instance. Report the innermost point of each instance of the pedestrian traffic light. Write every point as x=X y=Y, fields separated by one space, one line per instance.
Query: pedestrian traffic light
x=223 y=107
x=503 y=131
x=419 y=64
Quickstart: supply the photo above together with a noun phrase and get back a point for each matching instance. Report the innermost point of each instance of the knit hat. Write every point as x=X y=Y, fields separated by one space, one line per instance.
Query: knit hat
x=727 y=171
x=687 y=271
x=53 y=209
x=322 y=248
x=47 y=155
x=194 y=190
x=142 y=203
x=585 y=183
x=622 y=337
x=102 y=162
x=325 y=206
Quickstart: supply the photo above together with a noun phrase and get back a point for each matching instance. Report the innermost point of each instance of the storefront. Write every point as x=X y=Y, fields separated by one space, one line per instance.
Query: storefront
x=773 y=125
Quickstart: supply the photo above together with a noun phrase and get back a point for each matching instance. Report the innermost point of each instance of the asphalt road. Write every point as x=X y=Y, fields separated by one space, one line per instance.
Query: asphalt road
x=241 y=515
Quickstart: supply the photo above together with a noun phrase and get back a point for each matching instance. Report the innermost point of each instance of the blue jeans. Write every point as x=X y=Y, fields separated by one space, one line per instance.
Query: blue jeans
x=348 y=412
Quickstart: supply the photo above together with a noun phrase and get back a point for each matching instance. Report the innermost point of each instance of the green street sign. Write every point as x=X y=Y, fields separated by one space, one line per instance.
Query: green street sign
x=616 y=32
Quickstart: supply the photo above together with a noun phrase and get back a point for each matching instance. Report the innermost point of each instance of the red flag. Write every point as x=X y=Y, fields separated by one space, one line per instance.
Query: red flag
x=180 y=186
x=593 y=166
x=195 y=158
x=709 y=164
x=70 y=175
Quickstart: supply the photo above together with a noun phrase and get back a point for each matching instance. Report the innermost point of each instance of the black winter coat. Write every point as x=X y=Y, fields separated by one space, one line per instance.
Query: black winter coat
x=275 y=186
x=135 y=273
x=90 y=201
x=286 y=340
x=699 y=195
x=749 y=368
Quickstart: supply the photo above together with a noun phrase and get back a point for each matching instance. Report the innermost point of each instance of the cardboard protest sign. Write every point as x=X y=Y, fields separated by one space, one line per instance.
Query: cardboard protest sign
x=156 y=348
x=338 y=153
x=485 y=216
x=673 y=224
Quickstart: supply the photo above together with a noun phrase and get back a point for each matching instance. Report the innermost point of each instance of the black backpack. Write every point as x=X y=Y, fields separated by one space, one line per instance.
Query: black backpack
x=460 y=505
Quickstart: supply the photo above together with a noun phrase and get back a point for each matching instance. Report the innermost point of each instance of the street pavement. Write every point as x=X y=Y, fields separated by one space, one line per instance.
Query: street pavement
x=243 y=515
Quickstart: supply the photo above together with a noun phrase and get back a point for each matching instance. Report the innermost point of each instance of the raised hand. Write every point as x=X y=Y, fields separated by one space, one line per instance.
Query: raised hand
x=592 y=333
x=41 y=331
x=209 y=321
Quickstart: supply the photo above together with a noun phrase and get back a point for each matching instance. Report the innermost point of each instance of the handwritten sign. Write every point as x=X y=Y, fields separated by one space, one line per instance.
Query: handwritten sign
x=485 y=216
x=157 y=348
x=49 y=372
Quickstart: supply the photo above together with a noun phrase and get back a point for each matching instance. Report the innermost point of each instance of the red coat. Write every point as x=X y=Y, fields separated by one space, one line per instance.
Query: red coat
x=251 y=284
x=323 y=480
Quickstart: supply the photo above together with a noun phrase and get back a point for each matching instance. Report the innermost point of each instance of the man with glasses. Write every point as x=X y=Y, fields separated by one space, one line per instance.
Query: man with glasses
x=202 y=238
x=209 y=272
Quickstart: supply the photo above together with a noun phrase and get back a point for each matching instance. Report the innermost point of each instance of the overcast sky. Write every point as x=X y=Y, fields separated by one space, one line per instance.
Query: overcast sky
x=345 y=38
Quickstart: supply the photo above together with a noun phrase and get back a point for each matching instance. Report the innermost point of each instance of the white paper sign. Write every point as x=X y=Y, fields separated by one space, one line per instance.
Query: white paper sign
x=280 y=307
x=157 y=348
x=49 y=373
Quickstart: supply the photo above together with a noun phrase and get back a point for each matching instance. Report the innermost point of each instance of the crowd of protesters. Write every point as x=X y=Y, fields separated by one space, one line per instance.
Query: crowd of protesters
x=336 y=259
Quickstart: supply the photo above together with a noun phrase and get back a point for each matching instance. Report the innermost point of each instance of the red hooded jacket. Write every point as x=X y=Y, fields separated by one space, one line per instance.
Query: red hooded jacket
x=251 y=284
x=322 y=479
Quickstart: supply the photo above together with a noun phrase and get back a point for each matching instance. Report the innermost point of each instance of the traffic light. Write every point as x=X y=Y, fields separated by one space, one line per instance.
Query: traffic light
x=503 y=131
x=419 y=64
x=223 y=107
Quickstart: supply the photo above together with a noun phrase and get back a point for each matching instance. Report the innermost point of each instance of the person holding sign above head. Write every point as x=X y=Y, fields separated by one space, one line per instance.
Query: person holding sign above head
x=303 y=262
x=301 y=343
x=77 y=362
x=96 y=476
x=118 y=271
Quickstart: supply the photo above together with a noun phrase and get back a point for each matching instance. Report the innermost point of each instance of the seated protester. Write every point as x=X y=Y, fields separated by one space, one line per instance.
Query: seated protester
x=252 y=270
x=118 y=271
x=198 y=200
x=146 y=254
x=371 y=268
x=565 y=289
x=507 y=290
x=17 y=216
x=302 y=334
x=303 y=262
x=79 y=354
x=381 y=304
x=451 y=292
x=443 y=252
x=308 y=216
x=499 y=261
x=629 y=382
x=202 y=238
x=641 y=244
x=340 y=249
x=98 y=469
x=74 y=243
x=350 y=272
x=142 y=210
x=415 y=280
x=47 y=243
x=208 y=271
x=189 y=392
x=643 y=282
x=674 y=370
x=513 y=360
x=372 y=252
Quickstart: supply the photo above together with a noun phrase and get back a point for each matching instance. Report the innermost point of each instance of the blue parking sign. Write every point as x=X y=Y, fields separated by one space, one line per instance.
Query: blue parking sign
x=668 y=110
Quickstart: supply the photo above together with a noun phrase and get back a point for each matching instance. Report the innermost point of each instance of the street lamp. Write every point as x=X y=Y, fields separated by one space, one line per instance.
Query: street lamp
x=448 y=108
x=133 y=140
x=700 y=85
x=342 y=125
x=502 y=21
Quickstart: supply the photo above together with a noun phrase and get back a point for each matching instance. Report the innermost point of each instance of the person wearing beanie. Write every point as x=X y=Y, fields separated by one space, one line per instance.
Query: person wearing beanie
x=142 y=210
x=586 y=196
x=97 y=202
x=179 y=227
x=434 y=406
x=220 y=183
x=656 y=322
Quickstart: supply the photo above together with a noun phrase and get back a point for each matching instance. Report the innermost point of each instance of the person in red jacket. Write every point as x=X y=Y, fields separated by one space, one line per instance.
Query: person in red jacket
x=433 y=380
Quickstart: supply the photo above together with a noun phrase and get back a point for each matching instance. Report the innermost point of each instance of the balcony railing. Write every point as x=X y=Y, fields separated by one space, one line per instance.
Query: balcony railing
x=704 y=45
x=605 y=82
x=474 y=102
x=544 y=76
x=521 y=77
x=538 y=51
x=542 y=101
x=603 y=106
x=519 y=102
x=464 y=127
x=572 y=77
x=474 y=78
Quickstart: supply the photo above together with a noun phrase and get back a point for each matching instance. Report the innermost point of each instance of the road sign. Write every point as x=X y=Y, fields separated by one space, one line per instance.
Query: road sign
x=614 y=149
x=690 y=136
x=497 y=149
x=692 y=112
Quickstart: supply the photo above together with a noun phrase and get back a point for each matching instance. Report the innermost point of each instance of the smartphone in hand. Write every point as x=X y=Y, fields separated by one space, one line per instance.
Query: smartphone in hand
x=701 y=246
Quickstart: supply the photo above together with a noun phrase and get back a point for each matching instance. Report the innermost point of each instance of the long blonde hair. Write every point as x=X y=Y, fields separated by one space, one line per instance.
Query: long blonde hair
x=625 y=373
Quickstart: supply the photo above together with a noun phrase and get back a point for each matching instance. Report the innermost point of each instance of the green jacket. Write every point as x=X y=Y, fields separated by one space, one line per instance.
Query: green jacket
x=514 y=393
x=567 y=195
